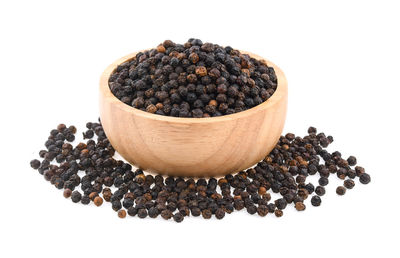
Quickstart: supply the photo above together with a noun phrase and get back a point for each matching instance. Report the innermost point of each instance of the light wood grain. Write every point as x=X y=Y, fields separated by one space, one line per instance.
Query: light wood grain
x=193 y=146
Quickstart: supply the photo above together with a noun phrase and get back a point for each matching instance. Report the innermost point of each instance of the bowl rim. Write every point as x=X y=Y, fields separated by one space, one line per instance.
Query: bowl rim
x=280 y=92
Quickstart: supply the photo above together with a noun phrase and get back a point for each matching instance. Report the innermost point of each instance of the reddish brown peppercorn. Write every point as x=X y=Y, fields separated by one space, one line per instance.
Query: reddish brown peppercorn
x=262 y=190
x=98 y=201
x=93 y=195
x=278 y=213
x=194 y=58
x=161 y=48
x=122 y=214
x=151 y=108
x=201 y=71
x=300 y=206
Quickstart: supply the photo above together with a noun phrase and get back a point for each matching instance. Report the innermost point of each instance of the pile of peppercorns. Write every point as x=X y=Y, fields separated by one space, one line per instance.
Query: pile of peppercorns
x=283 y=171
x=193 y=80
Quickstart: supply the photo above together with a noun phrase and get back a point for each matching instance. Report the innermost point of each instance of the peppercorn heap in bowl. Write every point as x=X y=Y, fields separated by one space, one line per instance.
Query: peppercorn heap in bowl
x=193 y=109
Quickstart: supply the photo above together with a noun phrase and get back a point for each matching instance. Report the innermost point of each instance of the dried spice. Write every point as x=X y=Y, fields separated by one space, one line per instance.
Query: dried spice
x=365 y=178
x=285 y=171
x=316 y=200
x=122 y=214
x=98 y=201
x=192 y=80
x=340 y=190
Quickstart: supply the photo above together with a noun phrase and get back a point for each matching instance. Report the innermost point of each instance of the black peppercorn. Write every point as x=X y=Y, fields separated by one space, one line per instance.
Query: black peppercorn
x=35 y=164
x=320 y=190
x=340 y=190
x=284 y=171
x=219 y=213
x=116 y=205
x=323 y=181
x=178 y=217
x=316 y=200
x=85 y=200
x=76 y=196
x=365 y=178
x=352 y=161
x=132 y=211
x=142 y=213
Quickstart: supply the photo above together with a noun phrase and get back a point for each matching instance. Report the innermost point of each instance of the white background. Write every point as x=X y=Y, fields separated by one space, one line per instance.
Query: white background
x=341 y=60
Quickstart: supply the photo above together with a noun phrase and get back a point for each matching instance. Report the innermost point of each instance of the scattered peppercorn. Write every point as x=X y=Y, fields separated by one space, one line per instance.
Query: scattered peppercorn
x=316 y=200
x=178 y=217
x=349 y=184
x=122 y=214
x=76 y=196
x=67 y=193
x=340 y=190
x=98 y=201
x=278 y=213
x=142 y=213
x=35 y=164
x=219 y=213
x=300 y=206
x=365 y=178
x=166 y=214
x=320 y=190
x=85 y=200
x=285 y=171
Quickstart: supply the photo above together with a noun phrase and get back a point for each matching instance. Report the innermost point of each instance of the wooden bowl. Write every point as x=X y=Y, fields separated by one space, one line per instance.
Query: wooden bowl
x=194 y=147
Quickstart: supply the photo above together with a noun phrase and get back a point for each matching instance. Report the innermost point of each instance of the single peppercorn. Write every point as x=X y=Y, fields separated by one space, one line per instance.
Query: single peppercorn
x=142 y=213
x=352 y=161
x=262 y=210
x=76 y=196
x=98 y=201
x=85 y=200
x=178 y=217
x=320 y=190
x=349 y=184
x=219 y=213
x=132 y=211
x=278 y=213
x=359 y=170
x=316 y=200
x=67 y=193
x=206 y=213
x=300 y=206
x=121 y=214
x=116 y=205
x=340 y=190
x=93 y=195
x=153 y=212
x=323 y=181
x=166 y=214
x=365 y=178
x=35 y=164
